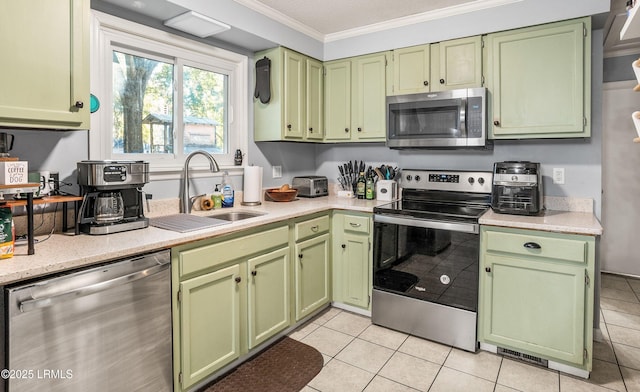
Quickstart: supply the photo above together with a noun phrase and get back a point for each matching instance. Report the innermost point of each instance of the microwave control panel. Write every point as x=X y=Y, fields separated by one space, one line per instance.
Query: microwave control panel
x=474 y=117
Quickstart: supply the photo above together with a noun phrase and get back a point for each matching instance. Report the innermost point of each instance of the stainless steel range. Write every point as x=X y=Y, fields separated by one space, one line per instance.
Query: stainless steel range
x=426 y=249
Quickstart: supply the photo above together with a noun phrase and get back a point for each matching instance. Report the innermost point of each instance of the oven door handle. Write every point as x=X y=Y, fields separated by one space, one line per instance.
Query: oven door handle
x=473 y=228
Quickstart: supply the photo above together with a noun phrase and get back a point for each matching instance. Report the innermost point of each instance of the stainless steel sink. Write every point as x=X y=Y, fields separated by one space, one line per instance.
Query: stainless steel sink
x=236 y=215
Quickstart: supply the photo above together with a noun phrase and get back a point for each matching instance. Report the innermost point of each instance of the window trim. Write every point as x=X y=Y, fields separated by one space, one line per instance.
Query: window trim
x=108 y=30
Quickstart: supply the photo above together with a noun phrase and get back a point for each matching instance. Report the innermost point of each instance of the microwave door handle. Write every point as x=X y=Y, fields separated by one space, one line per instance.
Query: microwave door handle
x=463 y=117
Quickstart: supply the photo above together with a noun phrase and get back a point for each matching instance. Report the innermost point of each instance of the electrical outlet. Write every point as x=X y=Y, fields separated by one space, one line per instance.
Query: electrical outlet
x=558 y=175
x=277 y=172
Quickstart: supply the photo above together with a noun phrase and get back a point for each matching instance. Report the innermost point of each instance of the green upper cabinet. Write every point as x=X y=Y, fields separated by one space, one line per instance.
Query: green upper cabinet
x=539 y=81
x=337 y=94
x=440 y=66
x=355 y=91
x=294 y=111
x=315 y=100
x=537 y=293
x=45 y=72
x=456 y=64
x=411 y=67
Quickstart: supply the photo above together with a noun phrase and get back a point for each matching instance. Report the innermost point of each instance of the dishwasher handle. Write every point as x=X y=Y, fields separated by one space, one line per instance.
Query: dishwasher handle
x=31 y=304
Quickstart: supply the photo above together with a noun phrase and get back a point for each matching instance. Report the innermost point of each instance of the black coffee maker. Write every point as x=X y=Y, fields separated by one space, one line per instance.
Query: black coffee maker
x=517 y=188
x=112 y=196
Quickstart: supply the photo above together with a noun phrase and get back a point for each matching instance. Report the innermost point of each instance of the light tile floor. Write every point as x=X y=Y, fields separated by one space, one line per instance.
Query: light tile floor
x=360 y=356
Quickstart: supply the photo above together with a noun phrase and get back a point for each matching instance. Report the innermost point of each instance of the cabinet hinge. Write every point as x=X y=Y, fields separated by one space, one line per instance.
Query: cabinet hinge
x=584 y=121
x=584 y=30
x=369 y=301
x=482 y=80
x=586 y=354
x=179 y=295
x=482 y=42
x=587 y=280
x=180 y=378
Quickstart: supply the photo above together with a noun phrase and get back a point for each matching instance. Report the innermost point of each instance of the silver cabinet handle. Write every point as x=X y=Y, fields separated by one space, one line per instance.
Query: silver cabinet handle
x=355 y=224
x=315 y=228
x=31 y=304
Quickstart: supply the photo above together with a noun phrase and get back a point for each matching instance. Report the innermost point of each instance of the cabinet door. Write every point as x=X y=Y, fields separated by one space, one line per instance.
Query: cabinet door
x=45 y=68
x=353 y=264
x=337 y=100
x=209 y=323
x=368 y=111
x=456 y=64
x=268 y=295
x=315 y=100
x=537 y=307
x=539 y=79
x=312 y=275
x=411 y=70
x=294 y=95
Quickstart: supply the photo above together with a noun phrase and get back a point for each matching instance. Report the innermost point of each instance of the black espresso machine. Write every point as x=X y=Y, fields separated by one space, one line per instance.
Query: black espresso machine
x=112 y=196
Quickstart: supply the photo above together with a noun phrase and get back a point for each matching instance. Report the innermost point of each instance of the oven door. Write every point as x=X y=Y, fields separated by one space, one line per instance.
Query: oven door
x=425 y=279
x=435 y=261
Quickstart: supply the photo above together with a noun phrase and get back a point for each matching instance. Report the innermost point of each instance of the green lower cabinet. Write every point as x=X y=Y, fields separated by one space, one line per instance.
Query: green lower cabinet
x=269 y=311
x=312 y=280
x=352 y=259
x=536 y=293
x=210 y=323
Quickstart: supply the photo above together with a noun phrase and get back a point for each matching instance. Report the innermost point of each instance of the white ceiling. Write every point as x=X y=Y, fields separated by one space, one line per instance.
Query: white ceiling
x=334 y=16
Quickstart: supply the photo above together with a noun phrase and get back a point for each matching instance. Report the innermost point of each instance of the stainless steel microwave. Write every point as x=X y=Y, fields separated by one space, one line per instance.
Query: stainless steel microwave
x=443 y=119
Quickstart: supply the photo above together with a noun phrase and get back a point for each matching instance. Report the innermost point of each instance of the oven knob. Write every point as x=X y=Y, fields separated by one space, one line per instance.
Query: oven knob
x=471 y=180
x=480 y=180
x=417 y=178
x=408 y=177
x=514 y=178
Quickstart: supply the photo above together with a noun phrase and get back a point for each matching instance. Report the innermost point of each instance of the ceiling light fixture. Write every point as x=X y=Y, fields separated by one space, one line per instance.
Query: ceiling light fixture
x=196 y=24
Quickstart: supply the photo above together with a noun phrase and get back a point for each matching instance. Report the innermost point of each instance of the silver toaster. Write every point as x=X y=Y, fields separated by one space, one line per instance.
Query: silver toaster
x=311 y=186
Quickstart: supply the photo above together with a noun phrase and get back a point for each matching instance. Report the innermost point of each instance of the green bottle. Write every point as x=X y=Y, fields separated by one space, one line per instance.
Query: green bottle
x=369 y=192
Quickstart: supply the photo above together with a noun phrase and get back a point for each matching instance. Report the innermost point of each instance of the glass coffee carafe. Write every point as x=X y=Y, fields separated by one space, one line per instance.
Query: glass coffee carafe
x=109 y=207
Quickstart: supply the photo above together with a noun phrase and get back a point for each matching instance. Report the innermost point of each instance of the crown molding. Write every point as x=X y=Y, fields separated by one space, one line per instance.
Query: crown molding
x=375 y=27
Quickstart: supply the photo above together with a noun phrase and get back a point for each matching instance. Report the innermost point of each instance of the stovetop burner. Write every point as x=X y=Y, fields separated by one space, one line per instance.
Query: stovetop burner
x=442 y=195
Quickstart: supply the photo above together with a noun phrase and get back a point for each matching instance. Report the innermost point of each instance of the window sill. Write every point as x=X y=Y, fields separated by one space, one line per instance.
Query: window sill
x=195 y=171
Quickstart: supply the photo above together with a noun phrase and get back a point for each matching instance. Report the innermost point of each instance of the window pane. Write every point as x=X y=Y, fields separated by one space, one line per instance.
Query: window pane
x=142 y=105
x=205 y=111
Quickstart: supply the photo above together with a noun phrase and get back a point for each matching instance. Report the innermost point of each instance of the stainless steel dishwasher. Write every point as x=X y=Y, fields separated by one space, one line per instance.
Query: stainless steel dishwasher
x=105 y=328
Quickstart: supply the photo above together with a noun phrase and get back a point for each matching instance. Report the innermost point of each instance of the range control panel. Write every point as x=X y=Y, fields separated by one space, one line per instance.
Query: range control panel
x=447 y=180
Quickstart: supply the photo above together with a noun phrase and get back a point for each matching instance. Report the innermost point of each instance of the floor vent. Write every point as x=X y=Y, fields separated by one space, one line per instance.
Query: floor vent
x=523 y=357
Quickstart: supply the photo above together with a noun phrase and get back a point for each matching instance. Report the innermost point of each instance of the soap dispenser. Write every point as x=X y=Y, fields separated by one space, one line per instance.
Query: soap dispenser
x=227 y=191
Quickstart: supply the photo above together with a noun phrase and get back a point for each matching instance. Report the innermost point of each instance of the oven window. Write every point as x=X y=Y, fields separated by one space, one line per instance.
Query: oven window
x=428 y=264
x=420 y=119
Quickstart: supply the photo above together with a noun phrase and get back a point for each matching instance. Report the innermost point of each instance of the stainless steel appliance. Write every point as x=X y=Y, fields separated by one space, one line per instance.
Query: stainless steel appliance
x=425 y=256
x=517 y=188
x=443 y=119
x=311 y=186
x=104 y=328
x=5 y=144
x=112 y=196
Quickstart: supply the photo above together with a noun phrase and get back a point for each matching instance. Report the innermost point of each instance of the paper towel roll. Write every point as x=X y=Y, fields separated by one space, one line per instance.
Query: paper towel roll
x=252 y=190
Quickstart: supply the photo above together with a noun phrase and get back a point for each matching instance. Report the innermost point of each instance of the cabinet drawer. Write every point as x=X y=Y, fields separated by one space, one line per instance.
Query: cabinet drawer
x=358 y=224
x=311 y=227
x=208 y=256
x=565 y=249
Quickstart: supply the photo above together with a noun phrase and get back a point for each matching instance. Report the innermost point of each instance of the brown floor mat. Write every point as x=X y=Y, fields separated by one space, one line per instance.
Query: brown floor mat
x=287 y=365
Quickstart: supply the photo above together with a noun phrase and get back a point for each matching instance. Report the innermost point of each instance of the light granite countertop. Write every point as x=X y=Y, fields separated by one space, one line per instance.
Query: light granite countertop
x=575 y=222
x=64 y=251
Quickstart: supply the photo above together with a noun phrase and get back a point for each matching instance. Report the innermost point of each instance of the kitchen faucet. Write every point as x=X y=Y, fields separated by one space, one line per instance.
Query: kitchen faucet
x=185 y=202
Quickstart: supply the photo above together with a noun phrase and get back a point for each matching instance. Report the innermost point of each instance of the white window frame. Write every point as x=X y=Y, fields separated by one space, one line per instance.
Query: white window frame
x=110 y=33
